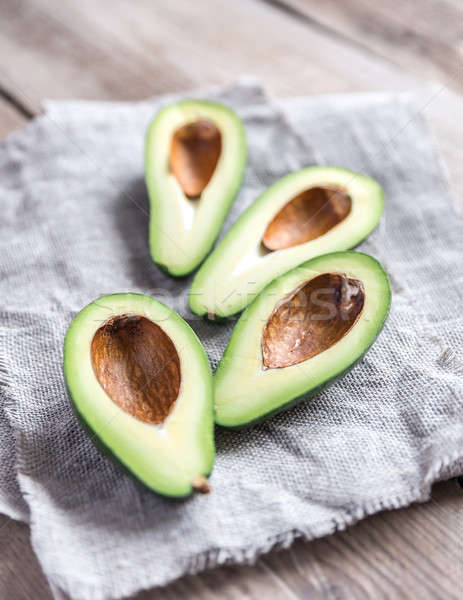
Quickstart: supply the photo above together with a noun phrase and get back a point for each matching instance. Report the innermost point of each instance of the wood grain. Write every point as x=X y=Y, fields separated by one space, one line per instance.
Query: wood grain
x=408 y=554
x=107 y=50
x=21 y=577
x=424 y=40
x=426 y=37
x=10 y=118
x=120 y=50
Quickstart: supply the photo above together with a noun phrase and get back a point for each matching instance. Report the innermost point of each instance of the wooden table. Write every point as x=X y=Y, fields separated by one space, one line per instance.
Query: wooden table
x=122 y=50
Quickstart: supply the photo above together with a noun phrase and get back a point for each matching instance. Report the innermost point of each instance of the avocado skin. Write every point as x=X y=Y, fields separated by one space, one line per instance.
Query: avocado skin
x=228 y=200
x=99 y=445
x=107 y=452
x=294 y=401
x=316 y=390
x=235 y=316
x=165 y=270
x=220 y=250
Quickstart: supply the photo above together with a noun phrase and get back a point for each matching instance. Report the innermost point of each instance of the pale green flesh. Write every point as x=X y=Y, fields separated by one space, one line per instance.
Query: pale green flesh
x=182 y=230
x=249 y=268
x=164 y=457
x=245 y=392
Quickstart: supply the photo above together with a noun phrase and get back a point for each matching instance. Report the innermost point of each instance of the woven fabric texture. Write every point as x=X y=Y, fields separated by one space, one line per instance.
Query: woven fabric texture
x=75 y=226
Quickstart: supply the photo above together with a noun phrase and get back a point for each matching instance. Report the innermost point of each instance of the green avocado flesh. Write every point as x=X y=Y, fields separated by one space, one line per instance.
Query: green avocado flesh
x=140 y=382
x=303 y=215
x=303 y=331
x=194 y=161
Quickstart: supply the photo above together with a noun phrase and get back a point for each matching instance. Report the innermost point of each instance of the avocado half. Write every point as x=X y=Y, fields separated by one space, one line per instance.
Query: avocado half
x=302 y=332
x=305 y=214
x=140 y=382
x=194 y=162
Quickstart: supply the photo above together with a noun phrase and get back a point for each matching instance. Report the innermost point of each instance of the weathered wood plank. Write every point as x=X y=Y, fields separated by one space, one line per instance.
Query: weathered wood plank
x=108 y=50
x=21 y=577
x=424 y=38
x=60 y=52
x=411 y=553
x=10 y=118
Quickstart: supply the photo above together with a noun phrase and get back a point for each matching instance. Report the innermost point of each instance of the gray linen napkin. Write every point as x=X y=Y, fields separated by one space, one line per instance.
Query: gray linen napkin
x=74 y=226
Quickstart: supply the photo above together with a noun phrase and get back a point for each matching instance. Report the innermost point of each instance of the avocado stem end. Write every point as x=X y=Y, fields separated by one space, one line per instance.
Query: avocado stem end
x=200 y=485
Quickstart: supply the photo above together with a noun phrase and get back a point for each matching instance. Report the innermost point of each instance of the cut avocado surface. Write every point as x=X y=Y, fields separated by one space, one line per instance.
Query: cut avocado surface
x=305 y=214
x=303 y=331
x=194 y=162
x=140 y=381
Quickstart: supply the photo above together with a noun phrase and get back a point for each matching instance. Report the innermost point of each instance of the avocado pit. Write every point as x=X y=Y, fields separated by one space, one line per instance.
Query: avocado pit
x=138 y=366
x=311 y=319
x=194 y=153
x=307 y=216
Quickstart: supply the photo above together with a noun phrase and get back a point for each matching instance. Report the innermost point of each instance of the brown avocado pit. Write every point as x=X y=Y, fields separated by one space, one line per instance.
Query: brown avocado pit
x=311 y=319
x=194 y=153
x=307 y=216
x=138 y=366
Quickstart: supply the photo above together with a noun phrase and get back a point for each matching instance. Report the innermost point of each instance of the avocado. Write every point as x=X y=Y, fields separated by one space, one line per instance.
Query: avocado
x=305 y=214
x=141 y=384
x=194 y=161
x=302 y=332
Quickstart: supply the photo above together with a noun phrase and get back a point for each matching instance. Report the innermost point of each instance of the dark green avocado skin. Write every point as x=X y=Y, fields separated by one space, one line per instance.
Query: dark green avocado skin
x=101 y=447
x=109 y=453
x=166 y=271
x=294 y=401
